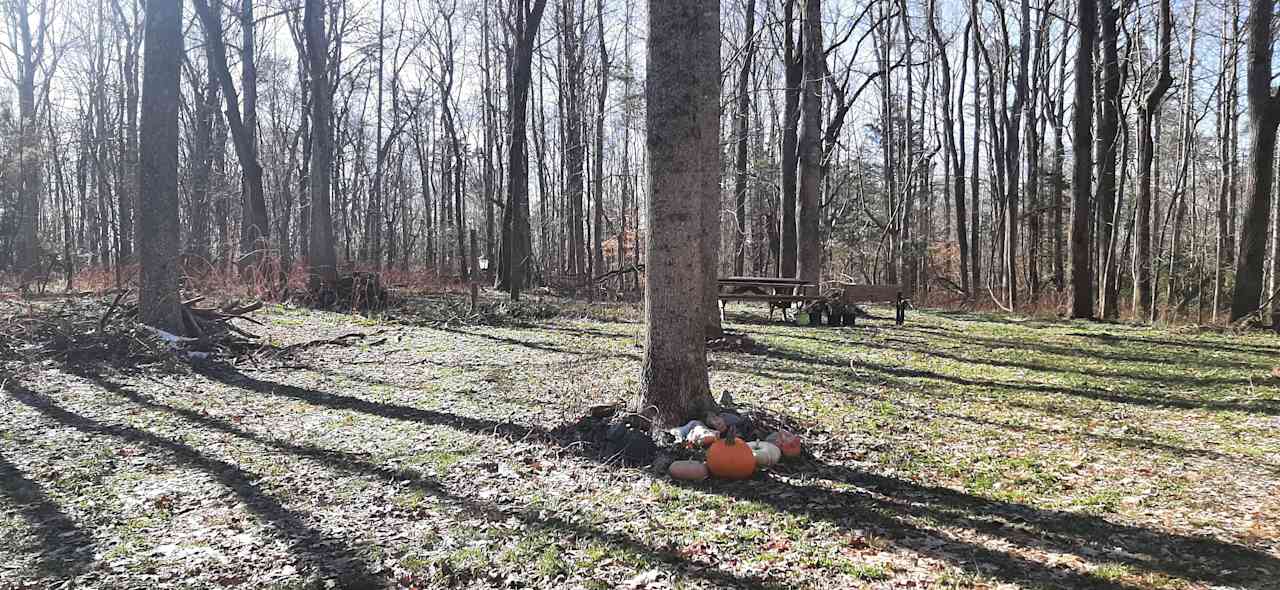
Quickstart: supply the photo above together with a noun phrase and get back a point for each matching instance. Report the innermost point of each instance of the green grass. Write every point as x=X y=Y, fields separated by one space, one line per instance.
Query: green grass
x=959 y=451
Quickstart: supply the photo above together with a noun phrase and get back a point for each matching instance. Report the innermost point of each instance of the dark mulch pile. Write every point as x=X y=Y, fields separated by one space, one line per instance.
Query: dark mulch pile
x=611 y=436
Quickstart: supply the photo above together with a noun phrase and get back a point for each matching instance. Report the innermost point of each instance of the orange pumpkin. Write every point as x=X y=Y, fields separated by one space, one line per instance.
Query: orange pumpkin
x=731 y=458
x=787 y=442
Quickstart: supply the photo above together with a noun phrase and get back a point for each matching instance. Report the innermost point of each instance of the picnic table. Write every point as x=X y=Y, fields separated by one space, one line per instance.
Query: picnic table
x=780 y=292
x=764 y=289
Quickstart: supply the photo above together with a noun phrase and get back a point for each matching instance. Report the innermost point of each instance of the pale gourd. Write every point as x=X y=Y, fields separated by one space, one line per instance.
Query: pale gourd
x=688 y=470
x=767 y=454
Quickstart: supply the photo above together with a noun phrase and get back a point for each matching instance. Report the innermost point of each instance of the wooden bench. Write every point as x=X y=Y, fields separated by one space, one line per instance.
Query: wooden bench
x=777 y=291
x=855 y=294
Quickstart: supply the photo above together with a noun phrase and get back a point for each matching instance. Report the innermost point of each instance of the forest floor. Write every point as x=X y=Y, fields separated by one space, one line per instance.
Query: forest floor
x=960 y=450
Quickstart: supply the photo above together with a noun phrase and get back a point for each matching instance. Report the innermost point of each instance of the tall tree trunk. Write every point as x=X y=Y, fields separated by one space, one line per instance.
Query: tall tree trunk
x=682 y=124
x=517 y=244
x=597 y=225
x=793 y=74
x=571 y=101
x=1081 y=210
x=809 y=147
x=129 y=155
x=1012 y=159
x=1178 y=208
x=1226 y=92
x=157 y=227
x=31 y=187
x=1264 y=115
x=1058 y=116
x=1108 y=153
x=975 y=284
x=1144 y=294
x=741 y=117
x=323 y=262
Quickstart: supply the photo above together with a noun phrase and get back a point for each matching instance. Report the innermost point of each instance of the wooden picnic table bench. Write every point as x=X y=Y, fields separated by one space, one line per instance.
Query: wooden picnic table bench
x=779 y=292
x=854 y=294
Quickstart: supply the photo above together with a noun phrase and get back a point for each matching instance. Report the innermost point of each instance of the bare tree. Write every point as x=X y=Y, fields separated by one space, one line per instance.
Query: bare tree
x=955 y=155
x=1108 y=153
x=254 y=228
x=517 y=244
x=30 y=26
x=793 y=75
x=323 y=261
x=1144 y=293
x=742 y=116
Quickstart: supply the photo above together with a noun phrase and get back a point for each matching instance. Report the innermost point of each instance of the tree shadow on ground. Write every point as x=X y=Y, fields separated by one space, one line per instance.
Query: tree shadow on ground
x=891 y=504
x=63 y=545
x=358 y=465
x=510 y=341
x=1153 y=400
x=1076 y=369
x=1198 y=345
x=988 y=318
x=900 y=508
x=307 y=543
x=848 y=386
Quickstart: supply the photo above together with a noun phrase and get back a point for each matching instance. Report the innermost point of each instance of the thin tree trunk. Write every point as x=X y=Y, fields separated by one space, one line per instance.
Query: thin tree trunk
x=793 y=73
x=741 y=117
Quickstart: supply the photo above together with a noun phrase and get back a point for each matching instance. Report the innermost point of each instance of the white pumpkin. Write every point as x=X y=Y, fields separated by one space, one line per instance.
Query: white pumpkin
x=701 y=436
x=688 y=470
x=767 y=454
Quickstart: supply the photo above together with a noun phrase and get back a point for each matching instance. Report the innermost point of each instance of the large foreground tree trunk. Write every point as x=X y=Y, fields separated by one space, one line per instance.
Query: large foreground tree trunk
x=1081 y=208
x=1264 y=114
x=682 y=120
x=159 y=301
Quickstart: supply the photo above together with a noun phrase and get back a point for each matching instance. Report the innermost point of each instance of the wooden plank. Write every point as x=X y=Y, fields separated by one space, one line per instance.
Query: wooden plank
x=757 y=297
x=763 y=280
x=870 y=293
x=736 y=289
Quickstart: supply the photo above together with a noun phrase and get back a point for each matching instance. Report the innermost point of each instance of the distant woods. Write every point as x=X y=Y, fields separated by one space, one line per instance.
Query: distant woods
x=1082 y=156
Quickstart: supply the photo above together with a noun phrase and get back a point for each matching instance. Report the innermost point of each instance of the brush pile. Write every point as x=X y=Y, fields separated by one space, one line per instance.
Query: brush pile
x=79 y=331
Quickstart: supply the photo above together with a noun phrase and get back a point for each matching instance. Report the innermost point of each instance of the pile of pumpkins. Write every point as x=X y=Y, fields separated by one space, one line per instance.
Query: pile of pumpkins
x=729 y=456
